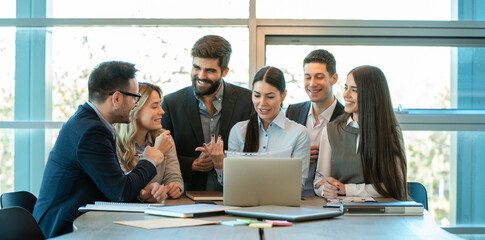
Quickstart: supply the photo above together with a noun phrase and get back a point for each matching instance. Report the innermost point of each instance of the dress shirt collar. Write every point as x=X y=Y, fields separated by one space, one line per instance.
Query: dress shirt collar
x=325 y=115
x=352 y=123
x=148 y=142
x=110 y=126
x=278 y=121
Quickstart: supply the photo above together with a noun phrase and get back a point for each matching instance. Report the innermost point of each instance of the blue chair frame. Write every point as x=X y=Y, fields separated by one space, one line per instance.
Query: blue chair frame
x=418 y=193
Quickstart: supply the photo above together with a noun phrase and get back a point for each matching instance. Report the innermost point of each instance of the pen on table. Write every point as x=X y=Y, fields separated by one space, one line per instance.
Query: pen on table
x=324 y=178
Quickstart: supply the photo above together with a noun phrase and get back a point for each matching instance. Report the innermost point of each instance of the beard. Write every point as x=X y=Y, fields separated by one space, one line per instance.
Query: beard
x=205 y=91
x=122 y=115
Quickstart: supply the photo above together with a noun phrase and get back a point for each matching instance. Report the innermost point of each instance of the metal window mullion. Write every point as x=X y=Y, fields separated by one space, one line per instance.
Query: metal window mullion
x=30 y=97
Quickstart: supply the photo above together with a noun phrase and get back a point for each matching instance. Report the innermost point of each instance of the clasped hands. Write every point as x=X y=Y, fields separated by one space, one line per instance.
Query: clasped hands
x=155 y=193
x=211 y=155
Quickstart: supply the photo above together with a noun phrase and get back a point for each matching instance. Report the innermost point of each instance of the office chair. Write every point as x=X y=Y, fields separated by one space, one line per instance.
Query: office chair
x=418 y=193
x=22 y=199
x=18 y=223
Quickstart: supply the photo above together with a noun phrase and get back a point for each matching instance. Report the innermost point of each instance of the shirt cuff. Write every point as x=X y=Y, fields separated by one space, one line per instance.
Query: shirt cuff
x=319 y=191
x=220 y=173
x=139 y=199
x=356 y=190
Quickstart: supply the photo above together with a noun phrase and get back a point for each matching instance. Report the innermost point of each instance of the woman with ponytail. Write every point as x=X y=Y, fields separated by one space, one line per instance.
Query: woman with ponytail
x=362 y=154
x=268 y=129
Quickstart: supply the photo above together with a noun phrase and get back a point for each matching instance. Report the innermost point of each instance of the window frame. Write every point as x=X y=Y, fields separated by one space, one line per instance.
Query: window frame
x=34 y=14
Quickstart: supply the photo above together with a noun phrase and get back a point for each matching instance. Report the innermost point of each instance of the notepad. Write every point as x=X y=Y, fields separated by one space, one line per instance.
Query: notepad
x=204 y=195
x=118 y=206
x=260 y=225
x=190 y=210
x=233 y=223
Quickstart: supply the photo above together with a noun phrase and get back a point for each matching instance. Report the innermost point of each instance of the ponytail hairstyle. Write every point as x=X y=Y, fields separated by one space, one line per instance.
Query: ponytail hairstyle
x=125 y=143
x=275 y=78
x=381 y=146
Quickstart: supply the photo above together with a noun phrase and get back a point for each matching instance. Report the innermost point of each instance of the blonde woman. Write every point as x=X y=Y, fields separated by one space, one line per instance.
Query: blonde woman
x=145 y=129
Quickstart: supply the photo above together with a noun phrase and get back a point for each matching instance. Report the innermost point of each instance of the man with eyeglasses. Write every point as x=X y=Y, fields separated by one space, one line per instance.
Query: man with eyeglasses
x=319 y=67
x=83 y=167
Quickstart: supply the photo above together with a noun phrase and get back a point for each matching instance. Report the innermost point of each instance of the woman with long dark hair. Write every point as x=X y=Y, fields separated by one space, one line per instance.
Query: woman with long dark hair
x=267 y=129
x=362 y=154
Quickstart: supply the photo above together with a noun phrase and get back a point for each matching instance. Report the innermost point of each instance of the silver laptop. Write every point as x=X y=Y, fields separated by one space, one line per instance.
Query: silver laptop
x=294 y=214
x=262 y=181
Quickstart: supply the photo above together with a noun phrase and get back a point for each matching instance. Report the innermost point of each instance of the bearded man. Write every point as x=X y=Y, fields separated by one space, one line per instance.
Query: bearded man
x=210 y=107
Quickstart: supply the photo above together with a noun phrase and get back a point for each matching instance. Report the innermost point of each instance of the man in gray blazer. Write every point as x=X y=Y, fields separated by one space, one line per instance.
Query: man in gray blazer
x=210 y=107
x=320 y=76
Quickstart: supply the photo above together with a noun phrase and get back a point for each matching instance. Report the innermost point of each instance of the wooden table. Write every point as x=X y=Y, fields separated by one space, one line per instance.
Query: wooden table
x=99 y=225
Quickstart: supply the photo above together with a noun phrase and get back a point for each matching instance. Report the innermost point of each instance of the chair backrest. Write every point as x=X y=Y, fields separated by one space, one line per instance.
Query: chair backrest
x=418 y=193
x=22 y=199
x=18 y=223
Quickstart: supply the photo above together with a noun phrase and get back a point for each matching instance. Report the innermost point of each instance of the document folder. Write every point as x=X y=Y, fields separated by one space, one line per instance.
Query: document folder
x=383 y=208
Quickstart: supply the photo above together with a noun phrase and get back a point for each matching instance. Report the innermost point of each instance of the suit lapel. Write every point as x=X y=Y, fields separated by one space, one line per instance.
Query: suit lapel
x=304 y=113
x=191 y=106
x=228 y=106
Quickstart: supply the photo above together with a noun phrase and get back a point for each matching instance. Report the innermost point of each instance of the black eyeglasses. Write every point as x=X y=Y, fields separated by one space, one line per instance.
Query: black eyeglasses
x=137 y=96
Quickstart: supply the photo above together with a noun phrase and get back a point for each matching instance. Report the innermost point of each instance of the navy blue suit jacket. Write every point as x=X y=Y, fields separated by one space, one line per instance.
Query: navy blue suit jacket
x=82 y=168
x=182 y=118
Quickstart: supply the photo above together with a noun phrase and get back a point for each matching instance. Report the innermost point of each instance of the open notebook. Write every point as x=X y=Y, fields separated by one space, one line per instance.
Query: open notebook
x=118 y=206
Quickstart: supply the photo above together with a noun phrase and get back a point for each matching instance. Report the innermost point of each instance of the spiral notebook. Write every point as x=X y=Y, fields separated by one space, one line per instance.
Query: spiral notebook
x=118 y=206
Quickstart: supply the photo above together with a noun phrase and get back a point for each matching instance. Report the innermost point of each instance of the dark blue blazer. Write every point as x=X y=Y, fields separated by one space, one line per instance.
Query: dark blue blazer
x=82 y=168
x=182 y=118
x=298 y=112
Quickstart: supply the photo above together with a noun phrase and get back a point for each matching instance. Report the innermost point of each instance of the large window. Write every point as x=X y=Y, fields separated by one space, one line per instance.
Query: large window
x=7 y=9
x=162 y=56
x=150 y=9
x=7 y=95
x=6 y=160
x=7 y=75
x=356 y=9
x=419 y=77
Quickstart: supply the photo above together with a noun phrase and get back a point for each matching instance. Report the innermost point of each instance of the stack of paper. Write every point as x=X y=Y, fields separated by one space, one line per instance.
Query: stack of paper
x=187 y=210
x=118 y=207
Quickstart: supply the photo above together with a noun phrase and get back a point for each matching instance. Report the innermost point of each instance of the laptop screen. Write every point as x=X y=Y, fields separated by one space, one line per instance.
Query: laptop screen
x=260 y=181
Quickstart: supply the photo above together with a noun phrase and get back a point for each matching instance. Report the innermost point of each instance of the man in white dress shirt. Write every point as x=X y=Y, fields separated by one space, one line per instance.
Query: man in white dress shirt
x=320 y=76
